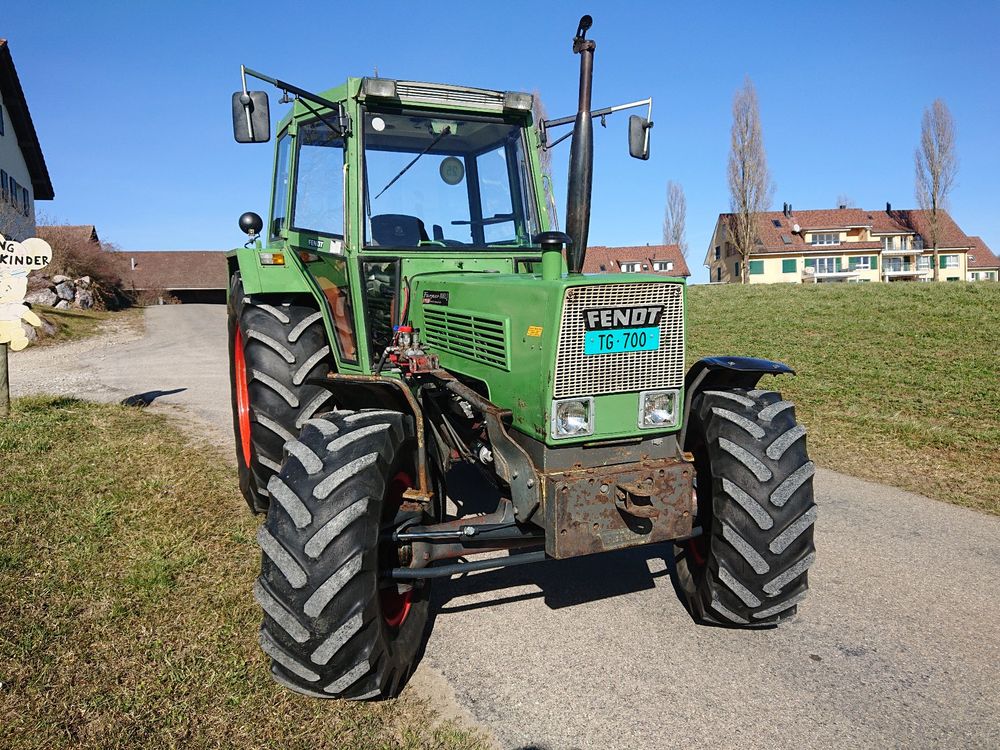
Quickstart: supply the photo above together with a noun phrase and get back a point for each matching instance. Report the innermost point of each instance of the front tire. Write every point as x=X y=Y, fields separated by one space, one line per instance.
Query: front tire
x=332 y=627
x=755 y=506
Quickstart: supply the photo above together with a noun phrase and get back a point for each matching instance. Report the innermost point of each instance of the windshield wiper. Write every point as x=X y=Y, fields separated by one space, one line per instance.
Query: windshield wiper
x=404 y=170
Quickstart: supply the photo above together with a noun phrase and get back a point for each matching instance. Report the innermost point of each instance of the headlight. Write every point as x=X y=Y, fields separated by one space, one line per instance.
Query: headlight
x=573 y=417
x=657 y=409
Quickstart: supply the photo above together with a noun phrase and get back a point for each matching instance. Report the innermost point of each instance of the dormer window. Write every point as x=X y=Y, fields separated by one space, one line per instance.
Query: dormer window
x=825 y=238
x=629 y=267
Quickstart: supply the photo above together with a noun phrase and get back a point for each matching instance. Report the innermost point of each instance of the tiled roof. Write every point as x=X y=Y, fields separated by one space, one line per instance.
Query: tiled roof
x=603 y=259
x=64 y=234
x=175 y=269
x=774 y=228
x=980 y=256
x=24 y=129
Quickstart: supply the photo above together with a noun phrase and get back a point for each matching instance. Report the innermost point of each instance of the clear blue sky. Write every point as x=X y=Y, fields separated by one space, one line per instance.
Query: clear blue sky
x=132 y=100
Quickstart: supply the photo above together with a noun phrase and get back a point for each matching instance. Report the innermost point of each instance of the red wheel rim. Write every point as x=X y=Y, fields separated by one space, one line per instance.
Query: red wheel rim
x=242 y=396
x=396 y=606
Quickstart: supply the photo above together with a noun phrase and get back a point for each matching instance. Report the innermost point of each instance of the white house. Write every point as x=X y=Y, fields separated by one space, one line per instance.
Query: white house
x=24 y=177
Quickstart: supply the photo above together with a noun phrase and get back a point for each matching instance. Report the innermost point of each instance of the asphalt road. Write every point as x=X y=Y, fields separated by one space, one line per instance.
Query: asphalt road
x=896 y=646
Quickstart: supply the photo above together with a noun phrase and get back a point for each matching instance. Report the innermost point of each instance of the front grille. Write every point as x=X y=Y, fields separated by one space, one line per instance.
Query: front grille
x=412 y=92
x=476 y=337
x=579 y=374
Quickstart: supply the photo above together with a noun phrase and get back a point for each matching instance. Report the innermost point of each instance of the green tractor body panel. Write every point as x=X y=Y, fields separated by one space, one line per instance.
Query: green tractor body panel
x=500 y=325
x=503 y=330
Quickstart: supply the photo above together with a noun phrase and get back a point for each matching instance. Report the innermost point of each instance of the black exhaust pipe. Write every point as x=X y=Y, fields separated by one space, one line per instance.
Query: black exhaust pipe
x=581 y=157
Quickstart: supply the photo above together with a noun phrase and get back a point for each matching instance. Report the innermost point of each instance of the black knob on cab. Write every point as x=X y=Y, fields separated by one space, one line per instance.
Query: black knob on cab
x=251 y=223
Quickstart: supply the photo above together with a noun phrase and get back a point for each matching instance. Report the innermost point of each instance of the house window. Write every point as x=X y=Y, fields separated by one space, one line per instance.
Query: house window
x=663 y=265
x=736 y=271
x=789 y=265
x=888 y=243
x=860 y=264
x=24 y=201
x=949 y=261
x=3 y=184
x=718 y=252
x=924 y=263
x=630 y=267
x=918 y=243
x=718 y=274
x=603 y=267
x=904 y=243
x=12 y=185
x=826 y=265
x=756 y=267
x=825 y=238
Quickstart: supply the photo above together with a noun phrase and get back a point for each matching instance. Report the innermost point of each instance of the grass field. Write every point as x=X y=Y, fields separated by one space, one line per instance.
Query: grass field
x=898 y=383
x=126 y=561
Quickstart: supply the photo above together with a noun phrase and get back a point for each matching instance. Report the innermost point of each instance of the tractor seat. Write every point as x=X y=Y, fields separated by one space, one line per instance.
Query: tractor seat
x=398 y=230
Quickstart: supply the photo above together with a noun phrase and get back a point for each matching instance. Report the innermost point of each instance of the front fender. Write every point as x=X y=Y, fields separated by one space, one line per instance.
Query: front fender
x=724 y=373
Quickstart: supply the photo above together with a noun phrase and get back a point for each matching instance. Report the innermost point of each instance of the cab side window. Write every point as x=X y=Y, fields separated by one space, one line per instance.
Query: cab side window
x=279 y=201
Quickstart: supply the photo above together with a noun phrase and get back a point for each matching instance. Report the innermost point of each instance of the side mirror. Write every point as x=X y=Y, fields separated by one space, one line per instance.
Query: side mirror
x=251 y=117
x=638 y=137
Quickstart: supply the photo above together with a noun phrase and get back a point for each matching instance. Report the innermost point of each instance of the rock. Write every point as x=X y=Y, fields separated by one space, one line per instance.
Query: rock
x=29 y=331
x=64 y=289
x=62 y=305
x=42 y=297
x=47 y=328
x=84 y=299
x=83 y=281
x=59 y=278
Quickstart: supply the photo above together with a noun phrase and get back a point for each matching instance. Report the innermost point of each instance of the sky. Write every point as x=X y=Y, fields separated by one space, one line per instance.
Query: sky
x=131 y=101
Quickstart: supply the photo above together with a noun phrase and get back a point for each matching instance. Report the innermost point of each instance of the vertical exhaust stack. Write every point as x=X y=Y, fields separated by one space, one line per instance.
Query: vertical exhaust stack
x=581 y=158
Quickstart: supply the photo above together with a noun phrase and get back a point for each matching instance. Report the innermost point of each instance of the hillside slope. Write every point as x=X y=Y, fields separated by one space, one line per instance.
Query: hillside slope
x=898 y=383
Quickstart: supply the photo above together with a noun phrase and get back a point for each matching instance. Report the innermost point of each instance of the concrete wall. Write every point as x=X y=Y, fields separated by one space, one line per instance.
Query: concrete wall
x=13 y=224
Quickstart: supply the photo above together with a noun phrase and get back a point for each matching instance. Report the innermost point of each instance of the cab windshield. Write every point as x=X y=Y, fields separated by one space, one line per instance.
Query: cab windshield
x=444 y=181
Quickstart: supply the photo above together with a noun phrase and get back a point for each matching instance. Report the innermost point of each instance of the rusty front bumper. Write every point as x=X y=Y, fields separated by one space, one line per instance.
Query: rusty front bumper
x=612 y=507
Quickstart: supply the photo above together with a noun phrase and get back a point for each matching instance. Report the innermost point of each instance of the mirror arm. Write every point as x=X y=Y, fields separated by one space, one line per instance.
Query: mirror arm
x=289 y=88
x=546 y=124
x=602 y=113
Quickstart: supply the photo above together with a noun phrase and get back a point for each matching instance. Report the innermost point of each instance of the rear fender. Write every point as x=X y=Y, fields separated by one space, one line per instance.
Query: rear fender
x=712 y=373
x=257 y=279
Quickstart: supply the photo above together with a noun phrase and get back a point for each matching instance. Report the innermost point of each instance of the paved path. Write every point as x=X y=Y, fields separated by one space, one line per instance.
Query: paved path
x=897 y=645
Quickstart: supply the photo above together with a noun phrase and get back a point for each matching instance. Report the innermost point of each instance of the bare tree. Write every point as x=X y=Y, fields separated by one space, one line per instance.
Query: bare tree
x=674 y=217
x=545 y=158
x=750 y=186
x=844 y=201
x=936 y=165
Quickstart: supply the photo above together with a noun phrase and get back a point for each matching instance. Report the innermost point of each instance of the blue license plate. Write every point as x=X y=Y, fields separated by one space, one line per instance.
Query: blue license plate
x=621 y=340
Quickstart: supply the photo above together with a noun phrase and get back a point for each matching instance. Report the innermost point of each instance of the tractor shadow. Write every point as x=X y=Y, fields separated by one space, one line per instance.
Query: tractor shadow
x=559 y=583
x=142 y=400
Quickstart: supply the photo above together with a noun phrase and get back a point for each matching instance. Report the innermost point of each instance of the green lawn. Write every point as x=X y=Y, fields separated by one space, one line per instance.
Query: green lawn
x=898 y=383
x=126 y=561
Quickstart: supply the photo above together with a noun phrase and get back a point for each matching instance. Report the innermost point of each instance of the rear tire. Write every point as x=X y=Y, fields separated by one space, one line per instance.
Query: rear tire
x=329 y=628
x=755 y=506
x=274 y=347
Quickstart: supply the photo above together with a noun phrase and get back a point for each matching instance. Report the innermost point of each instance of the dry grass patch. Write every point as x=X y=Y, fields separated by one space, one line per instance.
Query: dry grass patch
x=897 y=383
x=126 y=561
x=73 y=325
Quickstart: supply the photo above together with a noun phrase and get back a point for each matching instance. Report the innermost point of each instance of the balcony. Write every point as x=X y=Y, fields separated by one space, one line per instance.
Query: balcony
x=904 y=269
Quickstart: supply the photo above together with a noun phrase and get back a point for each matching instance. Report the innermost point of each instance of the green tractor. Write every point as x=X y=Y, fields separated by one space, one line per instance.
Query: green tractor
x=410 y=306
